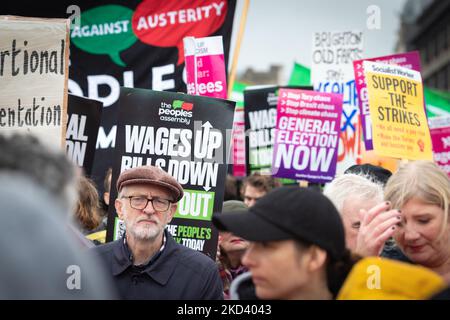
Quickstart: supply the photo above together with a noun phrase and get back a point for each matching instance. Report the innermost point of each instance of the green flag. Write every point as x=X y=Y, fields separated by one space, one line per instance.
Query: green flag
x=438 y=102
x=237 y=94
x=300 y=75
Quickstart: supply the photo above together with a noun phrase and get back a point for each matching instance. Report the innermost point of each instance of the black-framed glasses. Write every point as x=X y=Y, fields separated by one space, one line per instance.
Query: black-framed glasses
x=140 y=203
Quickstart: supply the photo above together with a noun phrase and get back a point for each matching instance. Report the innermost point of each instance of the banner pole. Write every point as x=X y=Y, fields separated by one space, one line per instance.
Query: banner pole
x=238 y=47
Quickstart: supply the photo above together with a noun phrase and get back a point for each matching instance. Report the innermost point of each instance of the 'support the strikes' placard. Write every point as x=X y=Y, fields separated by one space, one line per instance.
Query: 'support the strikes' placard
x=205 y=67
x=333 y=54
x=188 y=137
x=410 y=60
x=440 y=135
x=33 y=78
x=307 y=134
x=84 y=116
x=400 y=128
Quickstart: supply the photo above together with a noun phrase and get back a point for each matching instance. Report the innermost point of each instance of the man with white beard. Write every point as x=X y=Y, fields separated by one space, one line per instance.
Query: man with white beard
x=147 y=263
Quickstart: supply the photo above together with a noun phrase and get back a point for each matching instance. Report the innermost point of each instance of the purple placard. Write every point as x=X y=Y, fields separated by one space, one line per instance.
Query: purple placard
x=307 y=135
x=440 y=136
x=410 y=60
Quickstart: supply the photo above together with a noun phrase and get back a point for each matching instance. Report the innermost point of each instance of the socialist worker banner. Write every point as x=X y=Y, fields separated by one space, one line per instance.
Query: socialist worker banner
x=136 y=44
x=410 y=60
x=400 y=128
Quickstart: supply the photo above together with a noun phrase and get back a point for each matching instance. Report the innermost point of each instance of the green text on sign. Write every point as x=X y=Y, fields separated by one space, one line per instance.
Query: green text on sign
x=197 y=205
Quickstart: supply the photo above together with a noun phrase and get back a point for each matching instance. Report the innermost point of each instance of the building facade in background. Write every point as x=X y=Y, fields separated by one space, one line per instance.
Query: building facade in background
x=425 y=26
x=252 y=77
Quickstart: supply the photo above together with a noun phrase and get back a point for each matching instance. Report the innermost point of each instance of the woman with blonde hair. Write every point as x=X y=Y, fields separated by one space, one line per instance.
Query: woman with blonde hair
x=421 y=191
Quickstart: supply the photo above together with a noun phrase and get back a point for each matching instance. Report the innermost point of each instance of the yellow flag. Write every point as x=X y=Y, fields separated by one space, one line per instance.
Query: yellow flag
x=400 y=128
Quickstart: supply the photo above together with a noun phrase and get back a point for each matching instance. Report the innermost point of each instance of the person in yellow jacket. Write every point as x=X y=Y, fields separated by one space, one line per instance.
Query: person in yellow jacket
x=385 y=279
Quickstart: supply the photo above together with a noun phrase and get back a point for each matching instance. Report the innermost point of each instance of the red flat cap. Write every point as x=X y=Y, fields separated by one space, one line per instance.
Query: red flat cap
x=150 y=175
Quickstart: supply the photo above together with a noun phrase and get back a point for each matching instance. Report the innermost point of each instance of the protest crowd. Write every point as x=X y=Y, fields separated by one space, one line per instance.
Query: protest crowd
x=197 y=197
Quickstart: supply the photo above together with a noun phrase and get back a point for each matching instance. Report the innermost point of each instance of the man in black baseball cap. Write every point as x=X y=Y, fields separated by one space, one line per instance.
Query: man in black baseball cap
x=297 y=240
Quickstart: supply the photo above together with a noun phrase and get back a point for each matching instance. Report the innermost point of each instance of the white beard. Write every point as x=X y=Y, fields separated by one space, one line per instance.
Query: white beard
x=148 y=232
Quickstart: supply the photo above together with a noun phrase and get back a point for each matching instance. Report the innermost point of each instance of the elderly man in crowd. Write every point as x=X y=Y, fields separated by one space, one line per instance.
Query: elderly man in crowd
x=369 y=222
x=147 y=263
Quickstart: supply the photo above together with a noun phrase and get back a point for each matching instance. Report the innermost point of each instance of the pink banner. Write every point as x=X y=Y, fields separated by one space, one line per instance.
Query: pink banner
x=205 y=67
x=440 y=136
x=239 y=169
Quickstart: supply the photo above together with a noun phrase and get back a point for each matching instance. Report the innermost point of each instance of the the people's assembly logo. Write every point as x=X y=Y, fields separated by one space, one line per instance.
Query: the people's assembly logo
x=179 y=111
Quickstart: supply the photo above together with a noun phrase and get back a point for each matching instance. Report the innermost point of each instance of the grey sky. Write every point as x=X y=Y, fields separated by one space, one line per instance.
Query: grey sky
x=280 y=32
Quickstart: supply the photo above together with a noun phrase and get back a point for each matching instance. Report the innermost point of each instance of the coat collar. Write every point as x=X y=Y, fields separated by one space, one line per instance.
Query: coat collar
x=159 y=270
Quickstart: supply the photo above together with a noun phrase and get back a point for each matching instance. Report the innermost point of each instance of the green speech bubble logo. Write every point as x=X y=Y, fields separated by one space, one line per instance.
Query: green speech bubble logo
x=177 y=104
x=105 y=30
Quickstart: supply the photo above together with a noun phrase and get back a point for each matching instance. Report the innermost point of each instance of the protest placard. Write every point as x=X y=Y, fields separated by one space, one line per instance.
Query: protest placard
x=440 y=136
x=84 y=117
x=188 y=137
x=129 y=44
x=332 y=57
x=238 y=141
x=205 y=67
x=410 y=60
x=400 y=128
x=306 y=136
x=260 y=111
x=33 y=78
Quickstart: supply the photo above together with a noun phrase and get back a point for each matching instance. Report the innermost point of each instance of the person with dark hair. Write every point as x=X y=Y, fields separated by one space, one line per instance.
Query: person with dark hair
x=39 y=260
x=231 y=250
x=255 y=186
x=50 y=169
x=107 y=187
x=87 y=209
x=297 y=251
x=231 y=189
x=147 y=263
x=376 y=173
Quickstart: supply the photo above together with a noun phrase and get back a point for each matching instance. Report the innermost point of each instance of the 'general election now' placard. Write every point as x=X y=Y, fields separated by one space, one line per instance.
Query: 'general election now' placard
x=260 y=107
x=307 y=135
x=188 y=137
x=400 y=128
x=33 y=78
